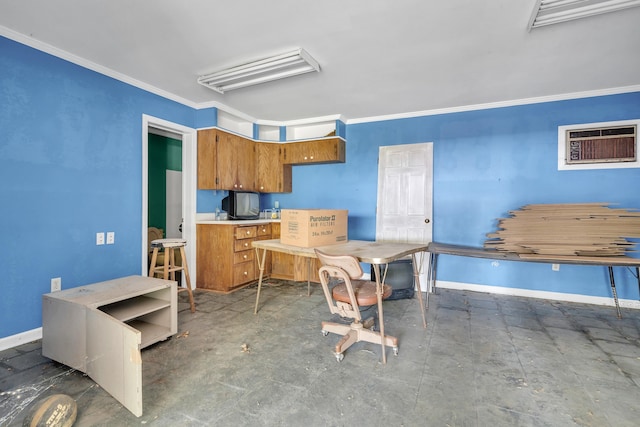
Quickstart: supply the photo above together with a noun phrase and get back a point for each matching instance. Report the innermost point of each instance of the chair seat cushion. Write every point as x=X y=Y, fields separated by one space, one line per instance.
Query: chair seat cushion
x=365 y=292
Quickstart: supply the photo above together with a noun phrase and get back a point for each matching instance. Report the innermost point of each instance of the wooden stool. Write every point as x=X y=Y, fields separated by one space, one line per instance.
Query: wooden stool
x=169 y=267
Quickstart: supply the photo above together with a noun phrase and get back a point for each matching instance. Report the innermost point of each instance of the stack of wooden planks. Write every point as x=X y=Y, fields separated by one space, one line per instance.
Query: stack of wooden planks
x=567 y=230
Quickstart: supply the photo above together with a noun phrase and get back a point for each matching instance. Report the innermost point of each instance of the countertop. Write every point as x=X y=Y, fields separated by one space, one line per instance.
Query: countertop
x=210 y=219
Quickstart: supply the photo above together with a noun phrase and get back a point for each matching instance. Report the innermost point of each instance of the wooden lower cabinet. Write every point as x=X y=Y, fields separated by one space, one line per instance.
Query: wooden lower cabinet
x=291 y=267
x=227 y=261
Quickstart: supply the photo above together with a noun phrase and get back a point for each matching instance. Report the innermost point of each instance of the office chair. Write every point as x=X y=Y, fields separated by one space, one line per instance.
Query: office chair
x=348 y=294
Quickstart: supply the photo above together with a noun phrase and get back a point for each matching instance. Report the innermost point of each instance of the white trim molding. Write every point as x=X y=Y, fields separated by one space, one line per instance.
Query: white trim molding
x=189 y=188
x=20 y=339
x=528 y=293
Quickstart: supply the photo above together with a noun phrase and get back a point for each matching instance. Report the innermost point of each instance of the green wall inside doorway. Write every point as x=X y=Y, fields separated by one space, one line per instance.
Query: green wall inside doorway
x=164 y=153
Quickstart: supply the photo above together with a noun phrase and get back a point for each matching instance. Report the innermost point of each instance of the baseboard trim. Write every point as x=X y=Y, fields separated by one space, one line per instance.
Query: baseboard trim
x=528 y=293
x=21 y=338
x=36 y=334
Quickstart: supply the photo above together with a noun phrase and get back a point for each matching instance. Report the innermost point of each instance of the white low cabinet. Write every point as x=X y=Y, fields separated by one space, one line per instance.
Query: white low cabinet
x=100 y=329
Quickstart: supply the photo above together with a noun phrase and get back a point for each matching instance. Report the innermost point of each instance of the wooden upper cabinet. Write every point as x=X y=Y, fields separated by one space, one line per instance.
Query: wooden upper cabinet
x=272 y=176
x=207 y=159
x=235 y=162
x=225 y=161
x=330 y=150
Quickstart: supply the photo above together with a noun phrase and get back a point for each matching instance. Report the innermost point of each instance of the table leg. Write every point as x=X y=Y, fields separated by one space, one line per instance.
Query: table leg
x=261 y=267
x=416 y=277
x=309 y=276
x=613 y=290
x=376 y=270
x=431 y=275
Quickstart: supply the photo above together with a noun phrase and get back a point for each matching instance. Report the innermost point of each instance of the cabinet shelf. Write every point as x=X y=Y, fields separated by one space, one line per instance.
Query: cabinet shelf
x=151 y=332
x=134 y=307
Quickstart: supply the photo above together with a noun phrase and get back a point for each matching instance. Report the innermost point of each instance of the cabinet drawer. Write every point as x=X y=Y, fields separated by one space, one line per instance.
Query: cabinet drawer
x=244 y=256
x=246 y=232
x=242 y=245
x=264 y=230
x=244 y=272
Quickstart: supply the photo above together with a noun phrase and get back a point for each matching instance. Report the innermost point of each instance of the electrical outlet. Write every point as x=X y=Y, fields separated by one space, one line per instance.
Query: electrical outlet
x=56 y=284
x=555 y=267
x=99 y=238
x=111 y=237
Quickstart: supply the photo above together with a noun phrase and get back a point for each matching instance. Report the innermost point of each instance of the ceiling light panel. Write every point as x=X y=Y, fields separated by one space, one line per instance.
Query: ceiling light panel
x=547 y=12
x=261 y=71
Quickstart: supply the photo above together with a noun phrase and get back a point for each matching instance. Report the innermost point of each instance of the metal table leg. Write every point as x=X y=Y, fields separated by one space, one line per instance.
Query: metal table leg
x=379 y=282
x=613 y=289
x=417 y=267
x=261 y=267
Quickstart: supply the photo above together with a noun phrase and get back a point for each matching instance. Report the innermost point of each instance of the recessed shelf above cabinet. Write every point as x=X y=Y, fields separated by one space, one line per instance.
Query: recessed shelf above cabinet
x=268 y=133
x=266 y=130
x=311 y=130
x=235 y=123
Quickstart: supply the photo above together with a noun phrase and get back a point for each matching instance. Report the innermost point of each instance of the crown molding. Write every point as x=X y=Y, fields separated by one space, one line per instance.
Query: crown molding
x=82 y=62
x=500 y=104
x=44 y=47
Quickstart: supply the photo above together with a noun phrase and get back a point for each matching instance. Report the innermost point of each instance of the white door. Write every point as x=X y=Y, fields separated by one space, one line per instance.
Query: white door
x=174 y=204
x=405 y=196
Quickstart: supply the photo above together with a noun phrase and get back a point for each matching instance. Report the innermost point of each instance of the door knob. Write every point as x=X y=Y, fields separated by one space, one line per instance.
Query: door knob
x=427 y=221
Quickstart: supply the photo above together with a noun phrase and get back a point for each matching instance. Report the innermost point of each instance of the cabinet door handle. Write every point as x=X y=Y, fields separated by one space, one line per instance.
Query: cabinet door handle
x=245 y=257
x=248 y=232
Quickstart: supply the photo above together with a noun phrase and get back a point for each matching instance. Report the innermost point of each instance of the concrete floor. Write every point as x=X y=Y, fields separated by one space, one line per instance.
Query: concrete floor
x=484 y=360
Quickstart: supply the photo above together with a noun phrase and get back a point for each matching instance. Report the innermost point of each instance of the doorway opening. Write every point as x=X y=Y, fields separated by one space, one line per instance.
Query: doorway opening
x=179 y=187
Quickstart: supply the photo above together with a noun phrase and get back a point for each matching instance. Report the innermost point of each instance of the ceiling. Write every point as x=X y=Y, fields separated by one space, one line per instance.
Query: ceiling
x=377 y=57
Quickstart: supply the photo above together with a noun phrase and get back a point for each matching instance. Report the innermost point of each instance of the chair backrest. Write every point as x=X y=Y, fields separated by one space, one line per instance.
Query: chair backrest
x=342 y=269
x=348 y=263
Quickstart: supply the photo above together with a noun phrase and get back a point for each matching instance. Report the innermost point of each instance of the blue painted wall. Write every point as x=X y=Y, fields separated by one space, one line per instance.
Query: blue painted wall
x=71 y=157
x=486 y=163
x=71 y=166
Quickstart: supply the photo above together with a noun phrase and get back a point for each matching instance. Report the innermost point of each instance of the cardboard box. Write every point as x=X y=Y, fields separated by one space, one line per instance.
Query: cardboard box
x=309 y=228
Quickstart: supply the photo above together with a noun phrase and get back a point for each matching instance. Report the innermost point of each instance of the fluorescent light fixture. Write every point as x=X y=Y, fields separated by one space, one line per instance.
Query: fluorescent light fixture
x=264 y=70
x=547 y=12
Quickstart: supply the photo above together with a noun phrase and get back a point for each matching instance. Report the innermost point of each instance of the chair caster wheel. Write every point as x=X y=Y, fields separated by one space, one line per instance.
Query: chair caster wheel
x=325 y=333
x=339 y=357
x=395 y=351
